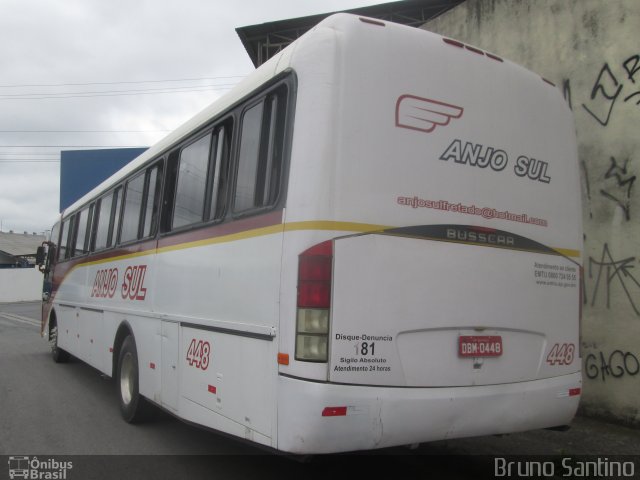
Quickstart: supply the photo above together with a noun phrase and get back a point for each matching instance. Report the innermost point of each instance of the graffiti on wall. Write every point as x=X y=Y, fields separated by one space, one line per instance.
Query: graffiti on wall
x=609 y=88
x=617 y=364
x=566 y=92
x=619 y=185
x=587 y=185
x=618 y=182
x=608 y=274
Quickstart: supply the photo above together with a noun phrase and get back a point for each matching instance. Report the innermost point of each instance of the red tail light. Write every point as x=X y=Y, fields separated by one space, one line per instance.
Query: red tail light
x=314 y=302
x=314 y=276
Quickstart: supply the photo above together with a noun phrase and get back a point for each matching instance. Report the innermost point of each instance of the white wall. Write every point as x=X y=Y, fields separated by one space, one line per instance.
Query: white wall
x=589 y=49
x=20 y=284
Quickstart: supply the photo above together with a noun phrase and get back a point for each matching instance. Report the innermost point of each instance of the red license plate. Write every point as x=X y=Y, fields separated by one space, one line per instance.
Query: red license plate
x=480 y=346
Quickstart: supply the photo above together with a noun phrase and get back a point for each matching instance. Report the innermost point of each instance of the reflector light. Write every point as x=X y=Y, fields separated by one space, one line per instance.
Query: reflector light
x=283 y=359
x=152 y=366
x=575 y=391
x=334 y=411
x=211 y=389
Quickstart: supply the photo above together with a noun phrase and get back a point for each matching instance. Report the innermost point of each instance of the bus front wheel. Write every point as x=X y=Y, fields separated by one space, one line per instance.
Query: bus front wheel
x=133 y=406
x=59 y=355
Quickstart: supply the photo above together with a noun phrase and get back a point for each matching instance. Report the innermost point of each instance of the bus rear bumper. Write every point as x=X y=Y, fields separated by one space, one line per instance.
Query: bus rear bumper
x=327 y=418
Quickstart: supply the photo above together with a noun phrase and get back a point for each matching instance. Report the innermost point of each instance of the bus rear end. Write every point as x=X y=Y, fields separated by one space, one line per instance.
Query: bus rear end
x=434 y=246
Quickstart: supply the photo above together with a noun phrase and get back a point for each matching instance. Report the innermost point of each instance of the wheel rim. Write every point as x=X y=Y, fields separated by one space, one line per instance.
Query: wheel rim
x=127 y=373
x=53 y=338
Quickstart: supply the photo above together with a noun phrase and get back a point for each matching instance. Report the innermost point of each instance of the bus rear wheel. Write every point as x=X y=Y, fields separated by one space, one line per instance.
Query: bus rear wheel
x=133 y=407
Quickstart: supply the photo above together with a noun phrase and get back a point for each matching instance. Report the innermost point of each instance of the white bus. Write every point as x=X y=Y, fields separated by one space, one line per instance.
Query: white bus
x=374 y=240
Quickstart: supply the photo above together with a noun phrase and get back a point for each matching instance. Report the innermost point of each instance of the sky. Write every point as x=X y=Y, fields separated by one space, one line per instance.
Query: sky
x=111 y=73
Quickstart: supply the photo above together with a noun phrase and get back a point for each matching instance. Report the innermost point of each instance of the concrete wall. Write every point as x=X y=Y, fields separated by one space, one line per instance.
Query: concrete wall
x=20 y=284
x=590 y=49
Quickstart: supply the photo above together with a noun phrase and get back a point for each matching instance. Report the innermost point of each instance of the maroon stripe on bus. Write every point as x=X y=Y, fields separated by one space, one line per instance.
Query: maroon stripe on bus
x=62 y=269
x=65 y=266
x=220 y=230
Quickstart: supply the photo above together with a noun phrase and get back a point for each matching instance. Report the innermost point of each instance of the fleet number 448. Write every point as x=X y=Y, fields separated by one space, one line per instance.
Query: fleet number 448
x=198 y=354
x=561 y=354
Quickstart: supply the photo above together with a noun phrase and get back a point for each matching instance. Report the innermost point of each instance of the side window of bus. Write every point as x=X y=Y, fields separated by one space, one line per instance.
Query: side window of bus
x=139 y=216
x=152 y=200
x=64 y=239
x=220 y=166
x=117 y=213
x=261 y=150
x=193 y=165
x=198 y=179
x=54 y=238
x=102 y=221
x=83 y=232
x=71 y=238
x=132 y=208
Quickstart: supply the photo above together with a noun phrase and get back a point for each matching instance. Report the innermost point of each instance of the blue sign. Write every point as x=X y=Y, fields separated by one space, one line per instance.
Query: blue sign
x=83 y=170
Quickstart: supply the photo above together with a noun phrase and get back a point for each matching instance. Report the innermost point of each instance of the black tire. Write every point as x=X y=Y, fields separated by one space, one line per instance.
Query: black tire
x=59 y=355
x=133 y=406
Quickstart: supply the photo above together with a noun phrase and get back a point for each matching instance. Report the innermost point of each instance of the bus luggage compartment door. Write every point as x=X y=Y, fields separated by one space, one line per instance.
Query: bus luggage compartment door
x=424 y=313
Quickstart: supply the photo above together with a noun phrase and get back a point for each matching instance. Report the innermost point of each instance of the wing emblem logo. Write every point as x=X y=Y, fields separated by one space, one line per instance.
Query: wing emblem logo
x=424 y=114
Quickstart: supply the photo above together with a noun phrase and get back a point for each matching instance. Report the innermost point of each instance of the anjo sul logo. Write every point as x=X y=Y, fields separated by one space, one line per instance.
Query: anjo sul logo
x=424 y=114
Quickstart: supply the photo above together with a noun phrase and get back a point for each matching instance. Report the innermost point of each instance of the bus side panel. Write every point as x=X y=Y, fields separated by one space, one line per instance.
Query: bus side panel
x=232 y=284
x=81 y=333
x=67 y=328
x=111 y=323
x=91 y=337
x=225 y=296
x=228 y=375
x=69 y=294
x=170 y=360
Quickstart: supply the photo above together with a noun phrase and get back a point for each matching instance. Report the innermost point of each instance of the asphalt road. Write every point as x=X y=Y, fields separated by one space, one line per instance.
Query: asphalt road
x=70 y=412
